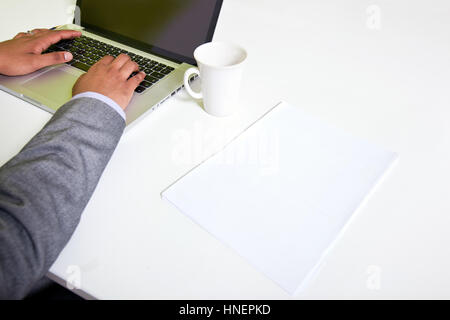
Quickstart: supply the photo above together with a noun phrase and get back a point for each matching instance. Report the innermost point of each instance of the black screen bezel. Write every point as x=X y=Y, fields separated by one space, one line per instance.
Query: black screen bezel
x=151 y=48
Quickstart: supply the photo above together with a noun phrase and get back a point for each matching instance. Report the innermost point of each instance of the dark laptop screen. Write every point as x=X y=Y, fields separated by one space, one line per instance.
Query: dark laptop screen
x=171 y=28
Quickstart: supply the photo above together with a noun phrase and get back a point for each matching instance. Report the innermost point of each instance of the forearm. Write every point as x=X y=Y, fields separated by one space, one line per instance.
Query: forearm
x=45 y=188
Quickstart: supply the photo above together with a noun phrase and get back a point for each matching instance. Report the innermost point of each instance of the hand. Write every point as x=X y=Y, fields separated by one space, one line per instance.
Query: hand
x=109 y=77
x=22 y=55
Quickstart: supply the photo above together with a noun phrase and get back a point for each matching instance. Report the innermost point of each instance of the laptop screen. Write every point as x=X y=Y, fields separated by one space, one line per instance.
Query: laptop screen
x=169 y=28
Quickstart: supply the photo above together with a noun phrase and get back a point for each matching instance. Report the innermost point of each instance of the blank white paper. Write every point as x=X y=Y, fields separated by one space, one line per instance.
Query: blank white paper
x=281 y=192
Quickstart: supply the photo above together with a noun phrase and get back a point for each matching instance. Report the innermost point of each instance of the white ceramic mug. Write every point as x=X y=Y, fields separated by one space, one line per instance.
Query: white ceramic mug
x=220 y=67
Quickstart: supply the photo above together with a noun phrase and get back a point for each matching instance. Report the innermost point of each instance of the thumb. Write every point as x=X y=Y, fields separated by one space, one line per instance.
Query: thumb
x=48 y=59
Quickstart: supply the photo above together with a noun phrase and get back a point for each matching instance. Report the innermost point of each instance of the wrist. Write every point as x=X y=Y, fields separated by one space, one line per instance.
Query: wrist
x=2 y=64
x=103 y=98
x=3 y=58
x=102 y=93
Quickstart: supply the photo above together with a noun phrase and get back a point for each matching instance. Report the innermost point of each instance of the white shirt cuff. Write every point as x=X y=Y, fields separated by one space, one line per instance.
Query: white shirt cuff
x=104 y=99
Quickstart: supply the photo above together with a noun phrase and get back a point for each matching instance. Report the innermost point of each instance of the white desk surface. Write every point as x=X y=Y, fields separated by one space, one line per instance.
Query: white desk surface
x=390 y=86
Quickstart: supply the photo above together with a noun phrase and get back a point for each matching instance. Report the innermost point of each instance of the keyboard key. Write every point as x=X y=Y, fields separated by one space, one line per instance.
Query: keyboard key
x=151 y=79
x=157 y=75
x=139 y=89
x=145 y=84
x=166 y=71
x=81 y=66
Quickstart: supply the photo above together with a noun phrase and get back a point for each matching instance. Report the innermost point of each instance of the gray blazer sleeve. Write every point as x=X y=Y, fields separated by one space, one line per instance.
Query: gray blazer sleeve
x=45 y=188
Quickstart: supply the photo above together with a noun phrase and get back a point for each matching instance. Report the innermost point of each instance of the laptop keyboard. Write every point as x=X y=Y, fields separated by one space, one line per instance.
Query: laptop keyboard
x=87 y=51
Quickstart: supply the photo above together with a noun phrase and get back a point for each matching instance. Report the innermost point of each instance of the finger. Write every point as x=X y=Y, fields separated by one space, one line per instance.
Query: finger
x=58 y=35
x=20 y=35
x=120 y=61
x=105 y=60
x=128 y=68
x=36 y=31
x=134 y=82
x=49 y=59
x=46 y=39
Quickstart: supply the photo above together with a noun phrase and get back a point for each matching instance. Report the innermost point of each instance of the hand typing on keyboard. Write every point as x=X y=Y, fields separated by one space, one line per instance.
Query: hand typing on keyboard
x=88 y=51
x=115 y=78
x=22 y=55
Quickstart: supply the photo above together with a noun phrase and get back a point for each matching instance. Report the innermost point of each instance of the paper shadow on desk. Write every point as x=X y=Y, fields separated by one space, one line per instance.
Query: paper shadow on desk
x=281 y=193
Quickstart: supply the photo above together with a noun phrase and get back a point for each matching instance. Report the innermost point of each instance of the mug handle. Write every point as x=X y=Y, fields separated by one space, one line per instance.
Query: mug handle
x=187 y=76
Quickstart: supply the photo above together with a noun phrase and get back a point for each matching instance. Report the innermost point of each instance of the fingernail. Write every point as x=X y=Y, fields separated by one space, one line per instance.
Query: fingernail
x=68 y=56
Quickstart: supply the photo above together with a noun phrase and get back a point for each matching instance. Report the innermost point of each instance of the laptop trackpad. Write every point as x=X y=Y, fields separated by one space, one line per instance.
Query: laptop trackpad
x=52 y=88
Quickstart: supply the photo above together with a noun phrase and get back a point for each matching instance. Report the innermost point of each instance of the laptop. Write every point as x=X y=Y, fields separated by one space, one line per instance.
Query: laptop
x=159 y=35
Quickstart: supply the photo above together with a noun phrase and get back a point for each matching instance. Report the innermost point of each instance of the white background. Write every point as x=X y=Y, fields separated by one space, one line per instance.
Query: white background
x=389 y=85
